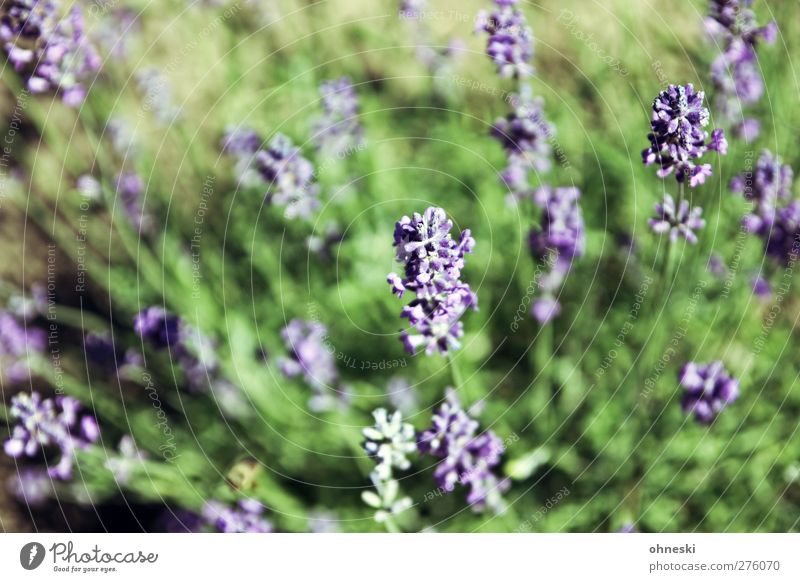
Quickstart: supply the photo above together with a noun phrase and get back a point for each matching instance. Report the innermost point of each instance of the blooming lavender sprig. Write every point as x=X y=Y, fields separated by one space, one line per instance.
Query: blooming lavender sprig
x=708 y=388
x=678 y=136
x=19 y=344
x=52 y=52
x=242 y=143
x=289 y=178
x=433 y=261
x=47 y=423
x=735 y=73
x=467 y=456
x=245 y=517
x=311 y=356
x=767 y=188
x=510 y=39
x=559 y=240
x=338 y=131
x=525 y=135
x=388 y=442
x=677 y=221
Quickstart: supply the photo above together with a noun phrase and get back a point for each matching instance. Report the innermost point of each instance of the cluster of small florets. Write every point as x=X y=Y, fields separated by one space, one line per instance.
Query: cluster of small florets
x=678 y=138
x=311 y=357
x=468 y=457
x=193 y=352
x=19 y=343
x=49 y=49
x=510 y=42
x=556 y=244
x=246 y=517
x=775 y=218
x=767 y=187
x=525 y=135
x=45 y=424
x=680 y=221
x=735 y=72
x=339 y=130
x=433 y=261
x=708 y=388
x=288 y=176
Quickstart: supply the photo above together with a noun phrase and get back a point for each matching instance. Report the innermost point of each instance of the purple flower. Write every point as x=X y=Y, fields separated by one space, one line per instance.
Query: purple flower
x=242 y=143
x=716 y=265
x=433 y=261
x=525 y=135
x=52 y=52
x=194 y=353
x=130 y=189
x=289 y=177
x=680 y=221
x=560 y=240
x=735 y=73
x=468 y=457
x=245 y=517
x=708 y=388
x=761 y=288
x=510 y=41
x=312 y=357
x=50 y=424
x=157 y=95
x=679 y=137
x=19 y=342
x=338 y=131
x=767 y=187
x=157 y=326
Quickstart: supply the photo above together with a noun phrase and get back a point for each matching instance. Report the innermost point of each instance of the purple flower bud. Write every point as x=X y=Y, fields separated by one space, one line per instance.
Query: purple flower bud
x=707 y=390
x=510 y=40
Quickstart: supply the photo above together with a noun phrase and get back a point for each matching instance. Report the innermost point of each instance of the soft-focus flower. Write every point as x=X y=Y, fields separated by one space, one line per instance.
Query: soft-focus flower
x=389 y=441
x=194 y=353
x=761 y=288
x=245 y=517
x=338 y=131
x=48 y=47
x=716 y=265
x=708 y=388
x=510 y=39
x=433 y=261
x=50 y=424
x=468 y=457
x=289 y=177
x=89 y=187
x=559 y=240
x=311 y=357
x=680 y=221
x=678 y=136
x=735 y=72
x=766 y=187
x=157 y=95
x=130 y=190
x=127 y=461
x=525 y=134
x=19 y=343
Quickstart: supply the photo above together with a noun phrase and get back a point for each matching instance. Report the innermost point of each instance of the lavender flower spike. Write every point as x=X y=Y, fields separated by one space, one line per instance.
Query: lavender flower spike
x=557 y=243
x=680 y=221
x=289 y=177
x=52 y=52
x=433 y=261
x=678 y=136
x=246 y=517
x=510 y=41
x=467 y=456
x=708 y=388
x=50 y=423
x=338 y=130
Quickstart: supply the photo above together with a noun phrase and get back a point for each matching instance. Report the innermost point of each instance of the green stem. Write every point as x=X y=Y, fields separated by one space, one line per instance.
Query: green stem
x=455 y=373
